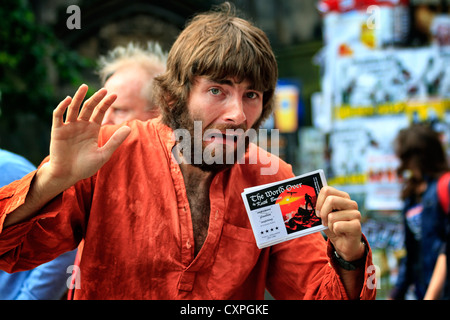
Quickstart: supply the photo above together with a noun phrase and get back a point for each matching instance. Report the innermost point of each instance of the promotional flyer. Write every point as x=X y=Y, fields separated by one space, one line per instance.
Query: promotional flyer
x=284 y=210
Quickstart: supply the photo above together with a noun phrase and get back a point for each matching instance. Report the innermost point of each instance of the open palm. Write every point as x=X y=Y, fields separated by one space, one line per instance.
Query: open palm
x=74 y=150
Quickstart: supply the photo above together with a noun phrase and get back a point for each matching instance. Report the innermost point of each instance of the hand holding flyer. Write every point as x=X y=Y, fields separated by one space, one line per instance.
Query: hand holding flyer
x=285 y=209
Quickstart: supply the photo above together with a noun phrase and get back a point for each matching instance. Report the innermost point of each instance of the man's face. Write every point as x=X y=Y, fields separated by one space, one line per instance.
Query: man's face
x=130 y=104
x=224 y=109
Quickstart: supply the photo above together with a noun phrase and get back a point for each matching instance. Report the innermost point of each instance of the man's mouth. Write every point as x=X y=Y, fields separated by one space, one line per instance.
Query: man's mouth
x=219 y=137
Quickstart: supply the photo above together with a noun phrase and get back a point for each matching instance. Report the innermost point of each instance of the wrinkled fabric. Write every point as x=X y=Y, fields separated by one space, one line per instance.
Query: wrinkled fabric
x=47 y=281
x=134 y=216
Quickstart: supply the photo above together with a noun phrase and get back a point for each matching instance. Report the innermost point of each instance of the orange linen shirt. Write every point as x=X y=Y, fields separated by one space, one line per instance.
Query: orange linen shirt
x=135 y=219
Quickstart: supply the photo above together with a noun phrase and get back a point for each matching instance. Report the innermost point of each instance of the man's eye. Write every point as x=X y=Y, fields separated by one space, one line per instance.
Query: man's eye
x=120 y=112
x=252 y=95
x=214 y=91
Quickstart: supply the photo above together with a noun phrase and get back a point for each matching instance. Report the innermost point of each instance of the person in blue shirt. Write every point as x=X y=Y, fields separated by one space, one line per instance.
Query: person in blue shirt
x=13 y=167
x=46 y=282
x=422 y=162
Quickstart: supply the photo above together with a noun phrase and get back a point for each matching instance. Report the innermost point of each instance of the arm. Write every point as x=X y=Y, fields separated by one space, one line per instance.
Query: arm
x=74 y=151
x=312 y=274
x=437 y=281
x=340 y=214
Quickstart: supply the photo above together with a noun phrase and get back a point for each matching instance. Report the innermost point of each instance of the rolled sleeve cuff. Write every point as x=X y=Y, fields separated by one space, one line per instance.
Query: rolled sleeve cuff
x=13 y=196
x=368 y=291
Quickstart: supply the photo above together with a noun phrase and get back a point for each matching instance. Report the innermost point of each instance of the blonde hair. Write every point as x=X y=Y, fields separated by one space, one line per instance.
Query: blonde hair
x=219 y=45
x=151 y=59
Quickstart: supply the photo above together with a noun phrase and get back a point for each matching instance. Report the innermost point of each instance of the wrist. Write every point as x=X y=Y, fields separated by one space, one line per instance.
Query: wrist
x=354 y=263
x=358 y=253
x=49 y=185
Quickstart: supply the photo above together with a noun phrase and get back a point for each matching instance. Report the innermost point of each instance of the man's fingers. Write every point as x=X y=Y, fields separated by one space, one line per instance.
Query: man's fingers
x=74 y=107
x=58 y=113
x=336 y=202
x=345 y=221
x=100 y=110
x=90 y=104
x=327 y=191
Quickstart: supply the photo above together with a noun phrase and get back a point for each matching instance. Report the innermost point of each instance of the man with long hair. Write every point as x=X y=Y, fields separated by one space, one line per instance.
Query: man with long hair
x=163 y=222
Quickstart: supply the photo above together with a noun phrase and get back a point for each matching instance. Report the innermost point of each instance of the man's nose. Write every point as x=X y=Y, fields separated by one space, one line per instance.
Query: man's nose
x=235 y=112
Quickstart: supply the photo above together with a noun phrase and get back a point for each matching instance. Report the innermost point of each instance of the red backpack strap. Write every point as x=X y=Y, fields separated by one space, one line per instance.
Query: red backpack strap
x=443 y=192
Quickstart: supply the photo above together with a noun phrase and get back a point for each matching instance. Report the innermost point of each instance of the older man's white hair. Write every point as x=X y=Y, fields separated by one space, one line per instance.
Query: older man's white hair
x=151 y=59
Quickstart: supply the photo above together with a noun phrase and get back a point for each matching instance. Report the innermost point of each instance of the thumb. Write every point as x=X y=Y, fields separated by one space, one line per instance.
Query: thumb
x=115 y=141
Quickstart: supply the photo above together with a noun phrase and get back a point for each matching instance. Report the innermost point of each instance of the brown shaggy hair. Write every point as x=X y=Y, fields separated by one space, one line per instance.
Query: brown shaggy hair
x=419 y=148
x=218 y=45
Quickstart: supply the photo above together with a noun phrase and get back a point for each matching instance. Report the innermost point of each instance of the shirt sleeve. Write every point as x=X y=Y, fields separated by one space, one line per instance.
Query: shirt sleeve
x=57 y=228
x=311 y=274
x=48 y=281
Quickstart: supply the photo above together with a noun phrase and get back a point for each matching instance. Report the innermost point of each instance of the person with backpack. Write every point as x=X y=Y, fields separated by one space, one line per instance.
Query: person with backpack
x=423 y=163
x=439 y=287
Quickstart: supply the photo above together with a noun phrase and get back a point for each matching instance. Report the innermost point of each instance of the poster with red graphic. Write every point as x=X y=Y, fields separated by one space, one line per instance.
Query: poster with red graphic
x=284 y=210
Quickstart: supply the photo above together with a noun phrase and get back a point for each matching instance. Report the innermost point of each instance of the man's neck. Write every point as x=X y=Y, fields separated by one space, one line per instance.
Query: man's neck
x=195 y=177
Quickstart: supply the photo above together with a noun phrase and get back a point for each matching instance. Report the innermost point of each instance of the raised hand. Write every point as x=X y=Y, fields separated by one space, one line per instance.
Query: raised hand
x=340 y=214
x=74 y=150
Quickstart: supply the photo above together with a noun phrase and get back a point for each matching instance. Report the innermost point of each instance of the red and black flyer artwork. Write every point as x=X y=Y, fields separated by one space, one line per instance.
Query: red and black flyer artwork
x=298 y=207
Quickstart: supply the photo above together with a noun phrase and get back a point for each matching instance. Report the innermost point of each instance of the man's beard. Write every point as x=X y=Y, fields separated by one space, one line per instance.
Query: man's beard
x=212 y=157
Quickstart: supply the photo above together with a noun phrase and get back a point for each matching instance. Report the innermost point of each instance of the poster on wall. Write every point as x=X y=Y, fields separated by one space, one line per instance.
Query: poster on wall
x=365 y=24
x=375 y=94
x=382 y=184
x=363 y=159
x=372 y=86
x=411 y=81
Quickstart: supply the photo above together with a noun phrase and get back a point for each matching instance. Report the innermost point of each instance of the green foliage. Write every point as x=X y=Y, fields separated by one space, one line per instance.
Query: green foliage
x=32 y=62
